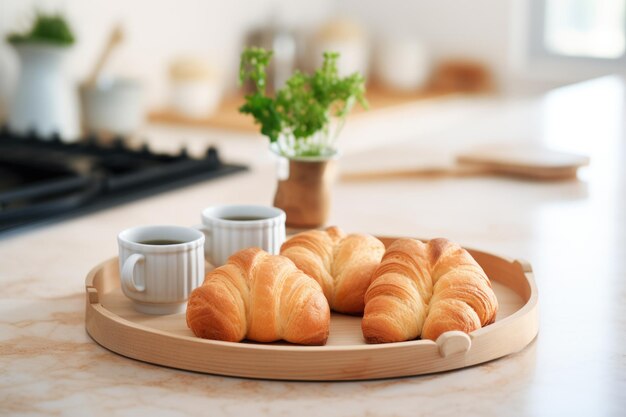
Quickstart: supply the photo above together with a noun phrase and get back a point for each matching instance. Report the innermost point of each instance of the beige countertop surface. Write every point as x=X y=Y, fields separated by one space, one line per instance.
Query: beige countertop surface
x=572 y=232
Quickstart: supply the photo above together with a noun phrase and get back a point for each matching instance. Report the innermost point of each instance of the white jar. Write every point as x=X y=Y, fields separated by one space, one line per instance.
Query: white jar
x=402 y=63
x=115 y=107
x=347 y=38
x=44 y=100
x=195 y=88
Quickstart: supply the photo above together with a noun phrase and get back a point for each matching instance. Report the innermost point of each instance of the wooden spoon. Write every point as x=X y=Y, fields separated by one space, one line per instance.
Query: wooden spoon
x=115 y=38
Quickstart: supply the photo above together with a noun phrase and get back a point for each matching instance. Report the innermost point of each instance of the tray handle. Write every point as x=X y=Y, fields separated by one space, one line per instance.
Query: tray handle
x=92 y=295
x=453 y=342
x=524 y=264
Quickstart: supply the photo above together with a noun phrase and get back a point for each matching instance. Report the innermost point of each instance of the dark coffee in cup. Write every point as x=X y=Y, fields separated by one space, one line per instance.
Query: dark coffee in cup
x=243 y=218
x=161 y=242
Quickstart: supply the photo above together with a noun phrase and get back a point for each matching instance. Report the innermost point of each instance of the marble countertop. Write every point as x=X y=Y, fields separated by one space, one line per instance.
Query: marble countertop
x=573 y=233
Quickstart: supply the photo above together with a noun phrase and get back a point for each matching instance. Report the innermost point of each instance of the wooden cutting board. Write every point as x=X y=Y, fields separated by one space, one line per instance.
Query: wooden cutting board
x=515 y=160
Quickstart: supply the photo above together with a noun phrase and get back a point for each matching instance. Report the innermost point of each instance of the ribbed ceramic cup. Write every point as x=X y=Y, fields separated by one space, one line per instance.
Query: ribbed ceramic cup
x=159 y=278
x=229 y=229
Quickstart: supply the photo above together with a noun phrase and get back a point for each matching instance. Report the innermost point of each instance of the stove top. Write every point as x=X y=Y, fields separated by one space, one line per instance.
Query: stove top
x=47 y=180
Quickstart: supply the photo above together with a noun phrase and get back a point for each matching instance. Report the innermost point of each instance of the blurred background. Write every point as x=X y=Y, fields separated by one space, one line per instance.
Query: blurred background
x=124 y=78
x=523 y=44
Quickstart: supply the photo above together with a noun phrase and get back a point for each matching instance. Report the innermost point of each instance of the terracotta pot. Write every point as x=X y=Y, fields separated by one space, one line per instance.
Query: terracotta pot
x=306 y=191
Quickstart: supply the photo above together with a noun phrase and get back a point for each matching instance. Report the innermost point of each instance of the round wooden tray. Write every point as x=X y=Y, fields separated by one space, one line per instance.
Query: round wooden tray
x=165 y=340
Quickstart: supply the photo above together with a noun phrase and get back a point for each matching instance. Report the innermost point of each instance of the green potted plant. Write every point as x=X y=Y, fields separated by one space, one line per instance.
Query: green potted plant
x=302 y=121
x=43 y=99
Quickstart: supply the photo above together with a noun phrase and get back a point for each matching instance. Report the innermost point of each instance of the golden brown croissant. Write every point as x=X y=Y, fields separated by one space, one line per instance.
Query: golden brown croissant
x=426 y=289
x=342 y=265
x=462 y=295
x=396 y=301
x=260 y=297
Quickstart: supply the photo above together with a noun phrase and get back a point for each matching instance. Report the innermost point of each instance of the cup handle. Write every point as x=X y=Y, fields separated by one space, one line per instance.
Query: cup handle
x=128 y=273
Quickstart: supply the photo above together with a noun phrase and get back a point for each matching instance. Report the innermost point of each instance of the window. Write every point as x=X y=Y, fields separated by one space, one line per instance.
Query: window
x=579 y=31
x=585 y=28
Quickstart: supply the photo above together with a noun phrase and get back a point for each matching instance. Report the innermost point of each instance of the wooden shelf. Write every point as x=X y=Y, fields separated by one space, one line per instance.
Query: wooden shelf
x=228 y=117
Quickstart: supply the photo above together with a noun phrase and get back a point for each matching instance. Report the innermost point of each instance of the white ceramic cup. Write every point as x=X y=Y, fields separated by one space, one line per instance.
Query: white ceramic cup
x=229 y=229
x=159 y=277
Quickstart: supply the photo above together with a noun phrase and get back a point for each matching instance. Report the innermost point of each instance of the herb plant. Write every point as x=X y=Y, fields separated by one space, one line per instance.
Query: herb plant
x=51 y=29
x=297 y=120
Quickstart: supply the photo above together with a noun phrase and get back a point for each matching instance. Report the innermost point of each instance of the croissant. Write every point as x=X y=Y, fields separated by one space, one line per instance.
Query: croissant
x=396 y=301
x=342 y=265
x=260 y=297
x=426 y=289
x=462 y=295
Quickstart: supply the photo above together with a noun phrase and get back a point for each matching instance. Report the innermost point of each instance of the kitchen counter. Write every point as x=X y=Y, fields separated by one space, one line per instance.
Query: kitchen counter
x=573 y=233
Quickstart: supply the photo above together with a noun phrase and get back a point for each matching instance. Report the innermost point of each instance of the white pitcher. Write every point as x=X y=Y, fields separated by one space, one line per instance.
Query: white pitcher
x=44 y=101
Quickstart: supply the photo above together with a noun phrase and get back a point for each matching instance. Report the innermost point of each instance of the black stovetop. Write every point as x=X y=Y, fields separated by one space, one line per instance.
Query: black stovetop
x=45 y=179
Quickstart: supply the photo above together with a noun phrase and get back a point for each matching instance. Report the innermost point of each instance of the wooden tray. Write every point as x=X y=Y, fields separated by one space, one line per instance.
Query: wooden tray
x=166 y=340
